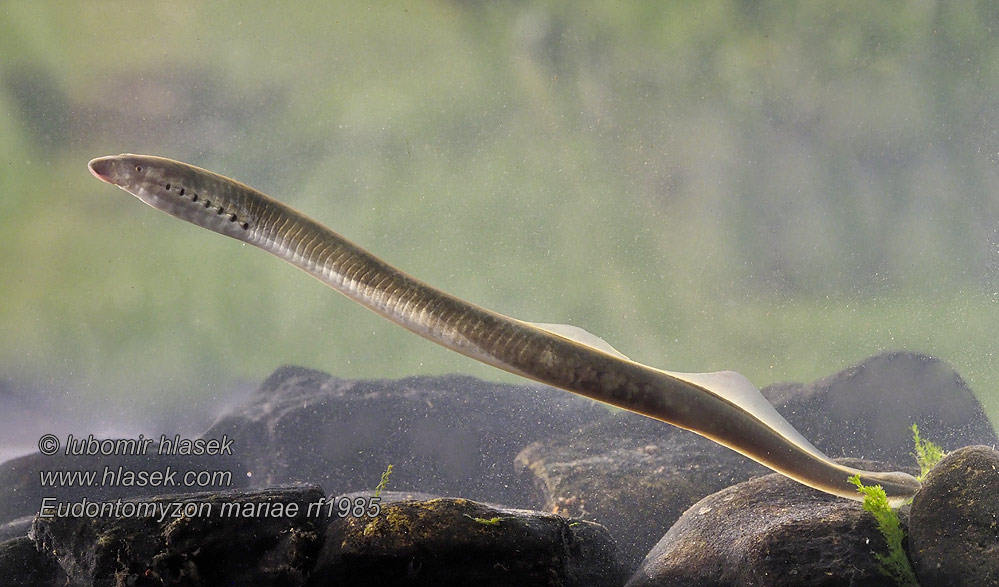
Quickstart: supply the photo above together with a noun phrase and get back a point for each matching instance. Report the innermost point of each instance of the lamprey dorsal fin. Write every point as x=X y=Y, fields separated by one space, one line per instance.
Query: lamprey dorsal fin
x=581 y=336
x=729 y=385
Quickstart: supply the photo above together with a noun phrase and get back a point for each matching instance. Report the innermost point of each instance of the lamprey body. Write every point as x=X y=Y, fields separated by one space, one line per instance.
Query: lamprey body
x=724 y=406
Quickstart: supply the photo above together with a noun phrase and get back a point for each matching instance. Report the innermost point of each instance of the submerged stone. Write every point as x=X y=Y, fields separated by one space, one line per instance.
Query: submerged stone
x=768 y=532
x=867 y=410
x=954 y=528
x=634 y=475
x=461 y=542
x=451 y=435
x=21 y=564
x=210 y=547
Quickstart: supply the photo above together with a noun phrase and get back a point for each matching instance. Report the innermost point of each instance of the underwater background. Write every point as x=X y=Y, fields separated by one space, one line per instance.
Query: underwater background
x=781 y=190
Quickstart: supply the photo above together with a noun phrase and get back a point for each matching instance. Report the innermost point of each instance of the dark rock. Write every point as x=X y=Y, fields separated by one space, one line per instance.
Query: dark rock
x=445 y=542
x=459 y=436
x=208 y=547
x=771 y=532
x=21 y=490
x=632 y=474
x=452 y=435
x=867 y=410
x=16 y=528
x=22 y=565
x=954 y=528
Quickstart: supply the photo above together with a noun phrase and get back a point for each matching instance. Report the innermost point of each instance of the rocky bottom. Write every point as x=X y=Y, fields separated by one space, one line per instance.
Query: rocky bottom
x=594 y=498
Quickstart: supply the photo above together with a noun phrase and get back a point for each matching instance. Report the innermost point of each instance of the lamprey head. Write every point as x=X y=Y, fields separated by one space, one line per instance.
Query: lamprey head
x=103 y=168
x=202 y=198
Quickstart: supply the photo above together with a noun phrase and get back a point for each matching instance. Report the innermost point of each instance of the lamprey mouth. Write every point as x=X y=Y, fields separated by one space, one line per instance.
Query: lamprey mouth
x=101 y=168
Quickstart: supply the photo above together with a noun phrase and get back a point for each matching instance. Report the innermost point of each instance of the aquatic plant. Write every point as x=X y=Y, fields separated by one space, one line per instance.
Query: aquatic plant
x=895 y=564
x=927 y=453
x=384 y=482
x=486 y=521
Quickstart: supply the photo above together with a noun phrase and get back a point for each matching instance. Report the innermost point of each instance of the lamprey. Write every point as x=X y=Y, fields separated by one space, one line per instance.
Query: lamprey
x=723 y=406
